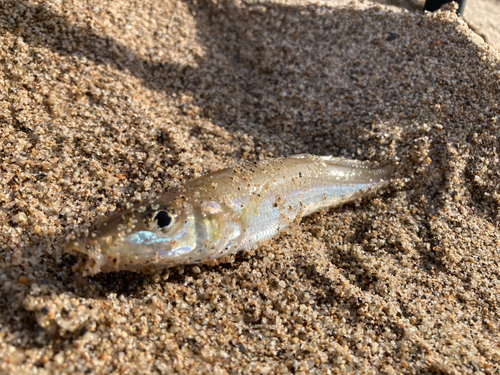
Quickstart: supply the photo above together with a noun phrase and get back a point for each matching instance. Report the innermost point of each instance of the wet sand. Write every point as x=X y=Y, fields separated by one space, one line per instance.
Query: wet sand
x=107 y=103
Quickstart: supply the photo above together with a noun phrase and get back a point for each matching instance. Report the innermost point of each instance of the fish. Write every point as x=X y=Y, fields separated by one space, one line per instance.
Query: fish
x=224 y=212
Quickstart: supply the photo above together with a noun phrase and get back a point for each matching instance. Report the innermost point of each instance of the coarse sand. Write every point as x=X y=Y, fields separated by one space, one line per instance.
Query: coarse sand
x=106 y=102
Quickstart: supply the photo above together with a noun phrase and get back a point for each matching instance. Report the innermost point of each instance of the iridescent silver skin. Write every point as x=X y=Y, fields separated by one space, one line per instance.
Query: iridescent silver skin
x=223 y=212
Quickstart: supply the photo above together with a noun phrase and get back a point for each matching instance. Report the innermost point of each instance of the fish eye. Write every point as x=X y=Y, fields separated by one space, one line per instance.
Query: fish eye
x=163 y=219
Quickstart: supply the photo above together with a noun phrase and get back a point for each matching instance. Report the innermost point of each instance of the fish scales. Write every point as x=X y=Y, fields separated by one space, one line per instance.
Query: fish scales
x=225 y=211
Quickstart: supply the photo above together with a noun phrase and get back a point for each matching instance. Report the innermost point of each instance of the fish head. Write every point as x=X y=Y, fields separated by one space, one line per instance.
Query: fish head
x=154 y=234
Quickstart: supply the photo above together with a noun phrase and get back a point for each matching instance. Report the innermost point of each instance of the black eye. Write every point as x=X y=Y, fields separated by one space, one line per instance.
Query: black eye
x=163 y=219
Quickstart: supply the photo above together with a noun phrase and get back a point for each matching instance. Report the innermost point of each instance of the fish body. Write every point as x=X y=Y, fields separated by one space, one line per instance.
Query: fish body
x=224 y=212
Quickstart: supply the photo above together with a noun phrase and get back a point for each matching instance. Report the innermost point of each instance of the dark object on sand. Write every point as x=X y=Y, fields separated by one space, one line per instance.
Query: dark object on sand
x=433 y=5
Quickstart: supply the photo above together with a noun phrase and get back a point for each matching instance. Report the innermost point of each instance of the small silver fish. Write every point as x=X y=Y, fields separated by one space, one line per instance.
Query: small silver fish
x=223 y=212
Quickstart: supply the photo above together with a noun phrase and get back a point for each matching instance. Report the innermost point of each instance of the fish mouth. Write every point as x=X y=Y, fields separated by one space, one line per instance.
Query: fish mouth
x=92 y=258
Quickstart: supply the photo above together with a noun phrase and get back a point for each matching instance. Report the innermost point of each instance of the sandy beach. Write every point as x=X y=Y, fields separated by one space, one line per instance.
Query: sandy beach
x=105 y=103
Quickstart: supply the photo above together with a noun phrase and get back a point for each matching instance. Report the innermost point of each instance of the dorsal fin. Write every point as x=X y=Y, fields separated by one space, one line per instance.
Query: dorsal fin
x=382 y=172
